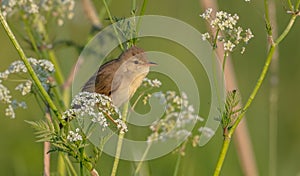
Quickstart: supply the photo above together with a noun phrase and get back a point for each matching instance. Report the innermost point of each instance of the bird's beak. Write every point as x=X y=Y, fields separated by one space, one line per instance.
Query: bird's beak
x=152 y=64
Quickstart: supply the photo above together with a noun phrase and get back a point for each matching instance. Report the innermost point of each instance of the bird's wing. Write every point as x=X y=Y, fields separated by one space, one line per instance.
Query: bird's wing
x=105 y=77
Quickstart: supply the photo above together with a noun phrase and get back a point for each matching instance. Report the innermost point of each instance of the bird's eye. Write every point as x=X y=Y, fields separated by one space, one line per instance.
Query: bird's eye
x=136 y=62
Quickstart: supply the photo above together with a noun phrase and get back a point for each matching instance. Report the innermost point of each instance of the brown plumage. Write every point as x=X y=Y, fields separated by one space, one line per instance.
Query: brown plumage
x=119 y=78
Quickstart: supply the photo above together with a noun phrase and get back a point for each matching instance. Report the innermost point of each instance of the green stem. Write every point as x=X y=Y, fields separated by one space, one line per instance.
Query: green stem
x=291 y=5
x=287 y=29
x=133 y=5
x=227 y=137
x=267 y=18
x=31 y=38
x=139 y=166
x=103 y=10
x=261 y=78
x=29 y=68
x=142 y=12
x=81 y=169
x=214 y=44
x=58 y=73
x=143 y=9
x=224 y=60
x=222 y=155
x=297 y=5
x=112 y=23
x=177 y=164
x=120 y=141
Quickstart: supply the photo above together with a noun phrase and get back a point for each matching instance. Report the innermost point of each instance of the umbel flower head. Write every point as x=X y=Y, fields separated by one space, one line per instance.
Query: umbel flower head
x=178 y=118
x=43 y=68
x=227 y=30
x=98 y=108
x=39 y=10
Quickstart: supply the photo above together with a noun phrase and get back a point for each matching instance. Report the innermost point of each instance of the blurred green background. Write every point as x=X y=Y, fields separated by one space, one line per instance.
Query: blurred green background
x=21 y=155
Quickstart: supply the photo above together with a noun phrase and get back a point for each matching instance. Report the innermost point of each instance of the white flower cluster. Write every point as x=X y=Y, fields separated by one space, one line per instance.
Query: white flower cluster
x=98 y=107
x=9 y=112
x=43 y=69
x=178 y=118
x=121 y=126
x=206 y=14
x=148 y=84
x=226 y=24
x=208 y=132
x=5 y=96
x=24 y=88
x=74 y=136
x=151 y=83
x=59 y=9
x=42 y=64
x=19 y=67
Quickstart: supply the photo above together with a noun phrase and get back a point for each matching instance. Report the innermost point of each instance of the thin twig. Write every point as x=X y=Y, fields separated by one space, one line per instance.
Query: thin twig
x=113 y=24
x=120 y=142
x=178 y=161
x=139 y=166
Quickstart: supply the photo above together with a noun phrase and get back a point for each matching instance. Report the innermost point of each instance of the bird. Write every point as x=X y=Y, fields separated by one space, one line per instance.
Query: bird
x=120 y=78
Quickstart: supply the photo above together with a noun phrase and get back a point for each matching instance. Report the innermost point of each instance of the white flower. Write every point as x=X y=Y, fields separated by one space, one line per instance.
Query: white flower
x=5 y=96
x=100 y=118
x=208 y=132
x=59 y=9
x=243 y=50
x=179 y=115
x=121 y=126
x=33 y=8
x=9 y=111
x=74 y=136
x=227 y=30
x=206 y=14
x=248 y=36
x=24 y=88
x=152 y=83
x=228 y=46
x=205 y=36
x=96 y=106
x=146 y=98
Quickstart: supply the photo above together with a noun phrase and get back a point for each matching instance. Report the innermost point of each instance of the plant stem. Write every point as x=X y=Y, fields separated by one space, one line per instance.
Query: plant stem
x=139 y=166
x=142 y=12
x=224 y=60
x=112 y=23
x=29 y=67
x=133 y=8
x=31 y=38
x=297 y=5
x=227 y=137
x=120 y=141
x=58 y=73
x=222 y=155
x=177 y=164
x=287 y=29
x=290 y=5
x=267 y=18
x=261 y=78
